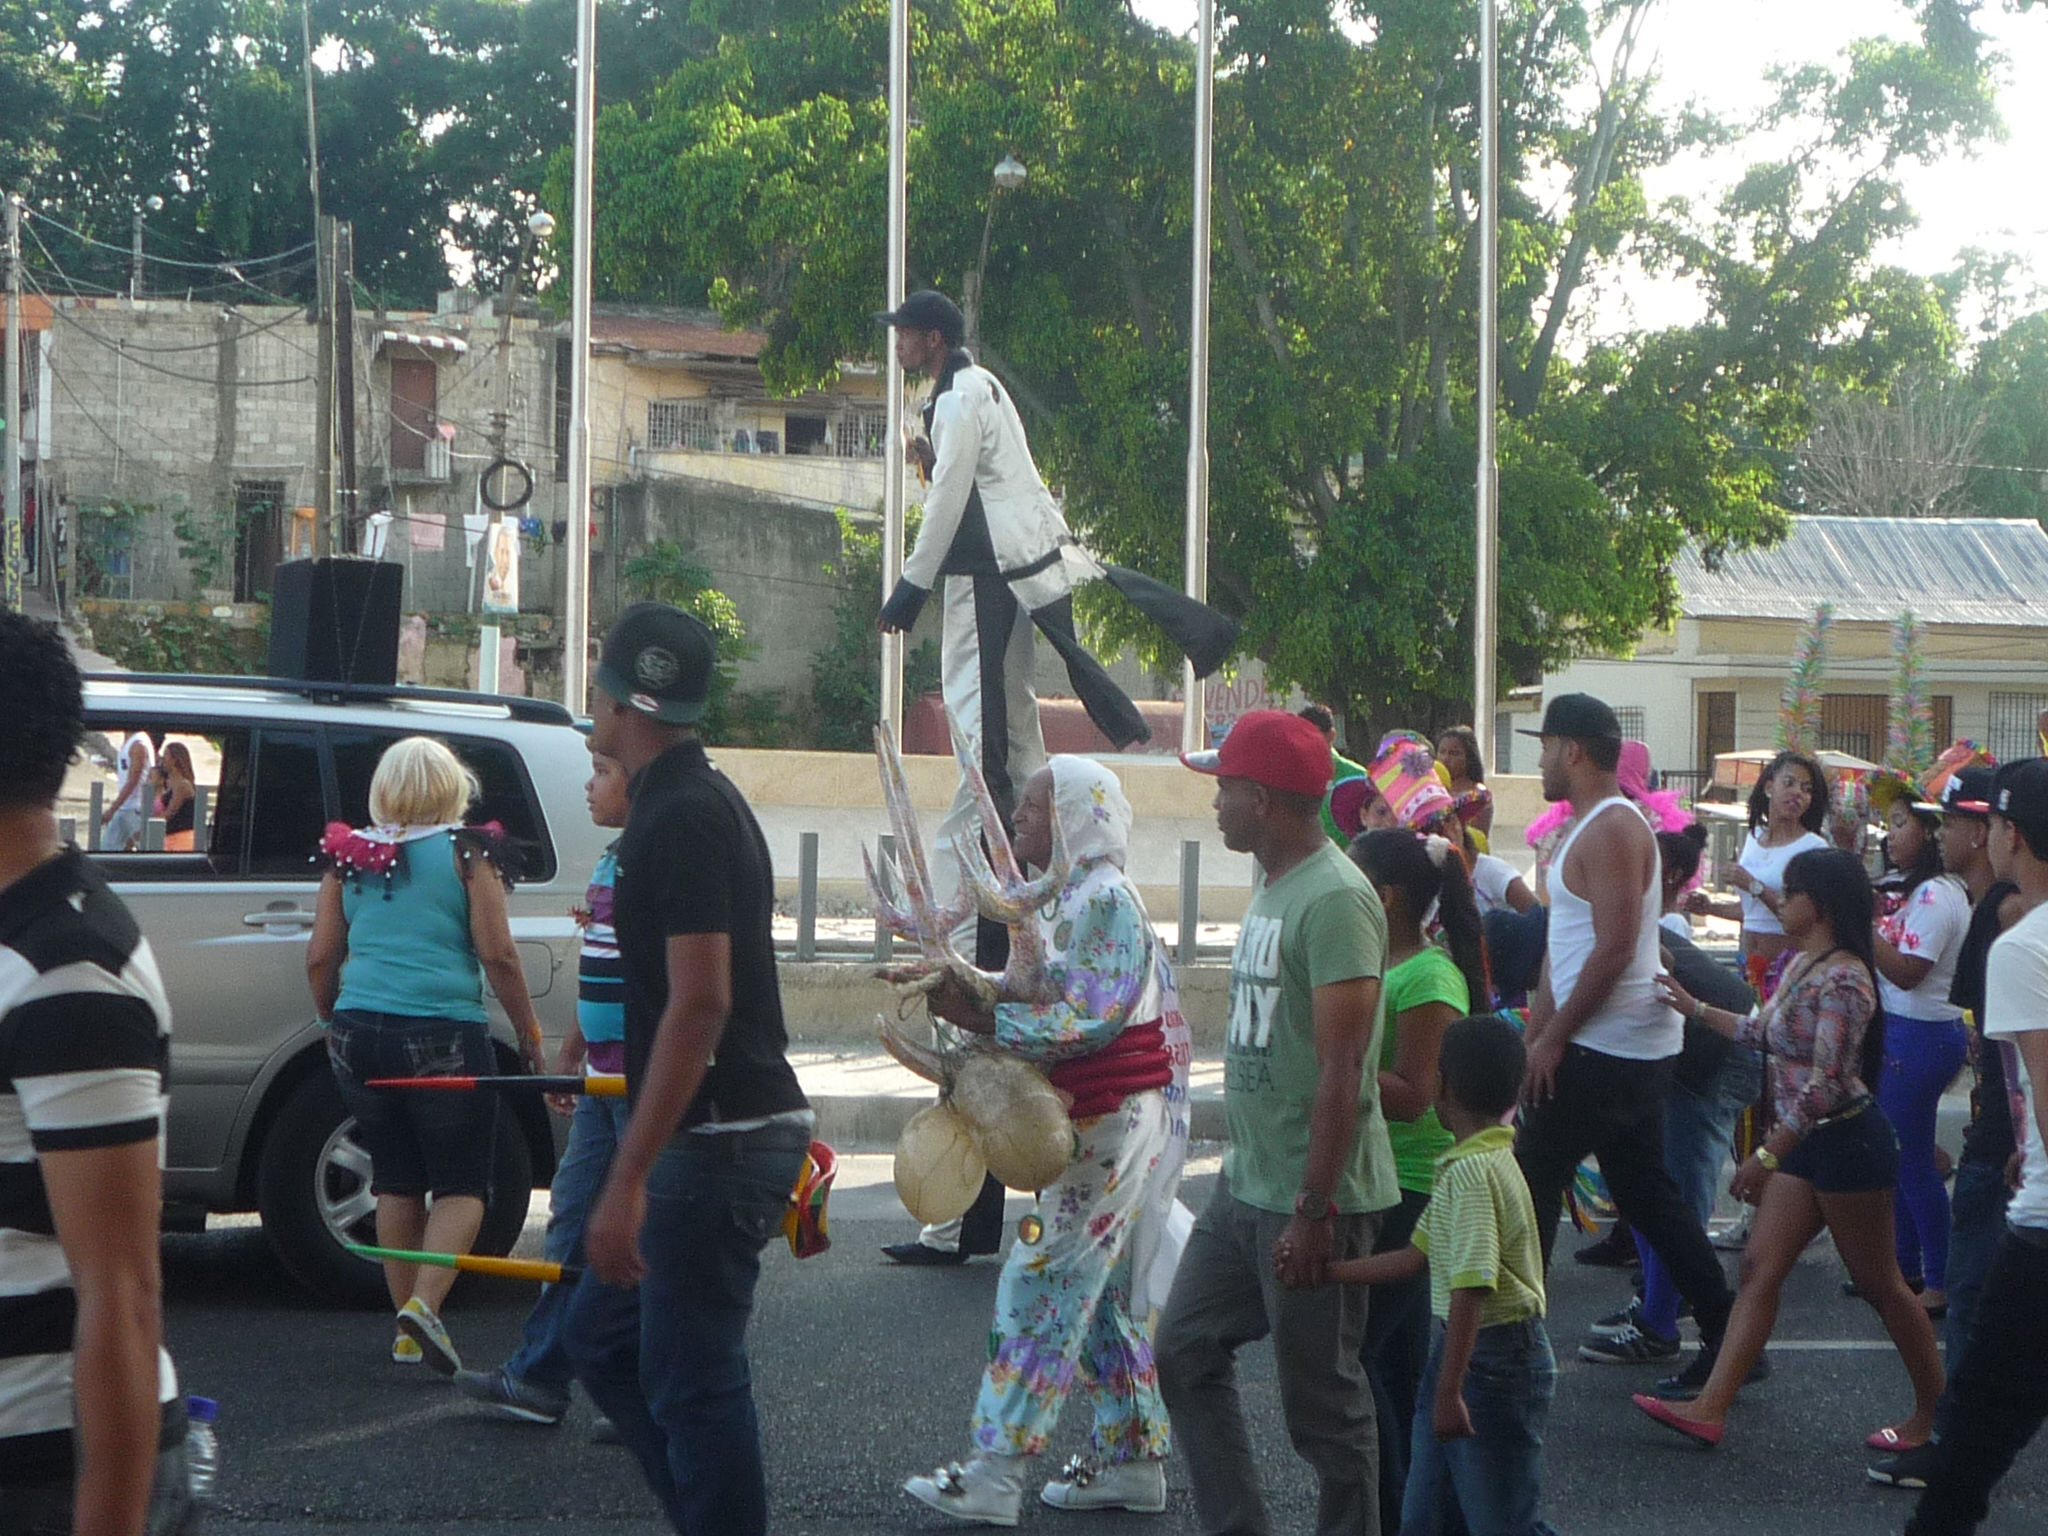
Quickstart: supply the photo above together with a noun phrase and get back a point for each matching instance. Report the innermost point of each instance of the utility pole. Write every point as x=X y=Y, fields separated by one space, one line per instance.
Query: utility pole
x=1194 y=725
x=539 y=227
x=345 y=377
x=576 y=584
x=323 y=394
x=889 y=695
x=1486 y=512
x=10 y=444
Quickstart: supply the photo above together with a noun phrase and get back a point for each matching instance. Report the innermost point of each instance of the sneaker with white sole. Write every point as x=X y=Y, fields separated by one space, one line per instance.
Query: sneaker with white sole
x=1139 y=1486
x=1629 y=1346
x=1630 y=1316
x=406 y=1351
x=982 y=1490
x=501 y=1390
x=417 y=1321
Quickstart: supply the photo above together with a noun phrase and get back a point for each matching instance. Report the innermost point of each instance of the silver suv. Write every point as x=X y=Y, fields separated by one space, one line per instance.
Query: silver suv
x=255 y=1121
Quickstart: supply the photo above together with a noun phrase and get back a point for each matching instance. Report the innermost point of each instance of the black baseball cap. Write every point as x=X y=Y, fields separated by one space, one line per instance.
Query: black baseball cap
x=1579 y=716
x=2020 y=794
x=928 y=310
x=659 y=660
x=1968 y=791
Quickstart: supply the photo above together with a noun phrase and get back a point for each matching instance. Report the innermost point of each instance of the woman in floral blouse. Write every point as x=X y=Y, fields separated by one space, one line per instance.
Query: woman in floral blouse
x=1075 y=1303
x=1831 y=1160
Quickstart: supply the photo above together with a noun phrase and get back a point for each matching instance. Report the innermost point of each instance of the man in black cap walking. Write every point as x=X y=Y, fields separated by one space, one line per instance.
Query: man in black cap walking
x=718 y=1127
x=1602 y=1044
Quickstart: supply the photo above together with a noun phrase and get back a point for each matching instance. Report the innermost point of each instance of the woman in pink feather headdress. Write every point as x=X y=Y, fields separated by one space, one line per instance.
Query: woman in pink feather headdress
x=1664 y=809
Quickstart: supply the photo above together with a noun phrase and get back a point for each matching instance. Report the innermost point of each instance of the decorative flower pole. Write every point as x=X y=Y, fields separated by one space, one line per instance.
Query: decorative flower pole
x=1909 y=746
x=1799 y=708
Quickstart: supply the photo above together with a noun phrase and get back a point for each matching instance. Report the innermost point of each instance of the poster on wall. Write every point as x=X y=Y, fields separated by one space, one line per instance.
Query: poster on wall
x=501 y=569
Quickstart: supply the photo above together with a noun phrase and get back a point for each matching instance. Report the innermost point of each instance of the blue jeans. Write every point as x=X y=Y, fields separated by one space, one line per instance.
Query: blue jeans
x=1976 y=1223
x=542 y=1360
x=1921 y=1058
x=666 y=1361
x=1699 y=1134
x=46 y=1509
x=1496 y=1477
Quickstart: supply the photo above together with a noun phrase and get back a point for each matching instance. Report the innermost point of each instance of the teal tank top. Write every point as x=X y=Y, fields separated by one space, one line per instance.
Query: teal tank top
x=409 y=950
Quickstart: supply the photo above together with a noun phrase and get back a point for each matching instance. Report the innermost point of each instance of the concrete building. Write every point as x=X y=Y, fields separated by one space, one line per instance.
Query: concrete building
x=1712 y=682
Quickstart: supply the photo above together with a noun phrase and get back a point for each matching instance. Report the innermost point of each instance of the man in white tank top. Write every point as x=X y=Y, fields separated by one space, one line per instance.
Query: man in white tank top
x=1602 y=1047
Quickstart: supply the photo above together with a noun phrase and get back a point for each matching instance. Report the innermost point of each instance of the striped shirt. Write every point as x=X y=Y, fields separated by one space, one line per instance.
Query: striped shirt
x=85 y=1035
x=1479 y=1231
x=600 y=983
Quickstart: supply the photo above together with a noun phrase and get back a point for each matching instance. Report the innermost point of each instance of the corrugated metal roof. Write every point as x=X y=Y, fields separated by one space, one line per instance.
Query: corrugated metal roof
x=1947 y=570
x=648 y=333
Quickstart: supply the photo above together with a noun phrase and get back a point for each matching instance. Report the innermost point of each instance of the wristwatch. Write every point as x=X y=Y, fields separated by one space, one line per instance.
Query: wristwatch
x=1768 y=1158
x=1307 y=1208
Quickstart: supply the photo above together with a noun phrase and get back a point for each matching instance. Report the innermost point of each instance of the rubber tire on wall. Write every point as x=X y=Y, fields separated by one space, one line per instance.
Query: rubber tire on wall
x=298 y=1235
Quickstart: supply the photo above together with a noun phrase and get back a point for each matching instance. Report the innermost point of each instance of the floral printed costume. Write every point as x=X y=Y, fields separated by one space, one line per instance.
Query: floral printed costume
x=1075 y=1303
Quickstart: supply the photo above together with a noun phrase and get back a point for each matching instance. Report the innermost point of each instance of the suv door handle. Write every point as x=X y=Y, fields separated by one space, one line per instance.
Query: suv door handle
x=278 y=917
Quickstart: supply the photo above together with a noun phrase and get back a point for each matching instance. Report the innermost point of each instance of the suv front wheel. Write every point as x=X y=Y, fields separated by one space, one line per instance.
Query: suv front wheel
x=313 y=1190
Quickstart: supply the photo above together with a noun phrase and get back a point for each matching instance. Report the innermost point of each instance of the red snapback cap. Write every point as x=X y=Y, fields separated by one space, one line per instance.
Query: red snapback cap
x=1270 y=747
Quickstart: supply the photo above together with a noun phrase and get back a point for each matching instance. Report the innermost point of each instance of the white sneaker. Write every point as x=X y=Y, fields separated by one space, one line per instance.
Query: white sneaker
x=983 y=1490
x=1139 y=1486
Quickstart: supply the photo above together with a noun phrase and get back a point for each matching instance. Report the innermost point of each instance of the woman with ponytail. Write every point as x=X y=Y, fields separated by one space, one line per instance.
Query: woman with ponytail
x=1425 y=989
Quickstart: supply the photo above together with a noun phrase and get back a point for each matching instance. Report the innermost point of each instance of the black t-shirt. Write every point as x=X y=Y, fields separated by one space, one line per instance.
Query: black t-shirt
x=692 y=860
x=1988 y=1138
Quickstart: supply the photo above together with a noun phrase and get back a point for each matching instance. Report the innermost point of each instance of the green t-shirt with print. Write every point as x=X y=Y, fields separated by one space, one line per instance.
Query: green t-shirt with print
x=1428 y=976
x=1317 y=925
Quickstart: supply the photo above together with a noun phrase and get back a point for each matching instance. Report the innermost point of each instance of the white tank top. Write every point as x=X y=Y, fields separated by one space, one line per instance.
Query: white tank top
x=1633 y=1022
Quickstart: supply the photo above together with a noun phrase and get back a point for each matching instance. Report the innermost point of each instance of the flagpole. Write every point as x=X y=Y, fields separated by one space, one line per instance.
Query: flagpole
x=890 y=694
x=1486 y=531
x=1195 y=536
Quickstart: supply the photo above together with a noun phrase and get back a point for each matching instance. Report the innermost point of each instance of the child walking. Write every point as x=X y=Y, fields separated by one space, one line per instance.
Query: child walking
x=1478 y=1438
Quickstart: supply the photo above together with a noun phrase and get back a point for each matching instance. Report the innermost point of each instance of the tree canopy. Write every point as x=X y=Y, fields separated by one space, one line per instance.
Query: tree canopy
x=742 y=163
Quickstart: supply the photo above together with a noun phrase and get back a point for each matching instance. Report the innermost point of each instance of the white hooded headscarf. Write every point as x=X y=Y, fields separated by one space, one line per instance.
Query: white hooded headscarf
x=1094 y=815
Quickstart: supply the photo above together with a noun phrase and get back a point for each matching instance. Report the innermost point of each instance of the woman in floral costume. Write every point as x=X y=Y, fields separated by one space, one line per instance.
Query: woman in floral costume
x=1075 y=1304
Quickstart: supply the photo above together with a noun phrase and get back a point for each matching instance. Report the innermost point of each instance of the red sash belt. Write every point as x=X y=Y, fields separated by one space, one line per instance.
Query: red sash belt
x=1134 y=1062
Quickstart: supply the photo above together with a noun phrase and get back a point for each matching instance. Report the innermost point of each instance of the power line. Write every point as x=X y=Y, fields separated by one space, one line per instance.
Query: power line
x=227 y=268
x=121 y=348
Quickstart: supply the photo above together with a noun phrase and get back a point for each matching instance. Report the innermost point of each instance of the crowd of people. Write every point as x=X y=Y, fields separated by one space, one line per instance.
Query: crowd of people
x=1424 y=1047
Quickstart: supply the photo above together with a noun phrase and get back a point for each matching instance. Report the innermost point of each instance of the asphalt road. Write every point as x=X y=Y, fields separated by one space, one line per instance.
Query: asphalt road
x=865 y=1373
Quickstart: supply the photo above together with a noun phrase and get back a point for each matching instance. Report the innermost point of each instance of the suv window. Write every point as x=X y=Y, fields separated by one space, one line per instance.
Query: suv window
x=262 y=798
x=507 y=797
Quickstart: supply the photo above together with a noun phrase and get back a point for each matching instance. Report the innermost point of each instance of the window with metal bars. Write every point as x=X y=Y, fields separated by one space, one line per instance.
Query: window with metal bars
x=2015 y=728
x=859 y=434
x=680 y=424
x=1634 y=727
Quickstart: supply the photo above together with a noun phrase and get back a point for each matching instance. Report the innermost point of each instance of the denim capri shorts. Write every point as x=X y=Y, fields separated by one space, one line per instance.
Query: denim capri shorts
x=1853 y=1151
x=420 y=1141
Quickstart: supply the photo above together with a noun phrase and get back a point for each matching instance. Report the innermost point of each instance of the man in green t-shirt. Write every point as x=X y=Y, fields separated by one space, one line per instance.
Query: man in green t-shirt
x=1309 y=1163
x=1341 y=767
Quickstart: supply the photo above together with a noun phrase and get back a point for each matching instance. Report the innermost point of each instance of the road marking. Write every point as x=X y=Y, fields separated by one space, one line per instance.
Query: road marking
x=359 y=1432
x=1832 y=1345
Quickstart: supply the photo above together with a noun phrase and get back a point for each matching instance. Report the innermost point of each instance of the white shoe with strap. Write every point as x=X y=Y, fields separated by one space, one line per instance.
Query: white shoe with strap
x=1139 y=1486
x=983 y=1490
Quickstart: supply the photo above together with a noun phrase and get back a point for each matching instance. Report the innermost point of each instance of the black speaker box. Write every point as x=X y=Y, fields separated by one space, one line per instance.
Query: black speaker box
x=336 y=621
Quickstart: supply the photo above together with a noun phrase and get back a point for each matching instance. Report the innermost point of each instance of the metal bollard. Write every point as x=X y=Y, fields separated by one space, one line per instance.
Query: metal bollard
x=153 y=835
x=807 y=897
x=885 y=942
x=201 y=832
x=1190 y=899
x=96 y=820
x=67 y=829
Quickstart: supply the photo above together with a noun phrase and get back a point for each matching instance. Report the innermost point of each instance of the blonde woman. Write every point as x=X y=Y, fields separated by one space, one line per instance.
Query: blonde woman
x=410 y=919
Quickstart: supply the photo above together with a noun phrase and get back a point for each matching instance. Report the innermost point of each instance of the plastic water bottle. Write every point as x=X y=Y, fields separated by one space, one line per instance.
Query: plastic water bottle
x=202 y=1447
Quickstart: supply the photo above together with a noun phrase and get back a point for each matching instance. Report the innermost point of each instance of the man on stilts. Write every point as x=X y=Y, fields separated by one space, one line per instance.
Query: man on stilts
x=993 y=533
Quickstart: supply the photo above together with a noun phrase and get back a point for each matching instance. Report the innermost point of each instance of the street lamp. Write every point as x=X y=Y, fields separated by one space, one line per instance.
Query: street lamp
x=155 y=205
x=1008 y=175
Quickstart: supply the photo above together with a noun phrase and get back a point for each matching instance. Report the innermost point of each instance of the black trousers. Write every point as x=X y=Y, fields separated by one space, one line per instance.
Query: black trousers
x=1999 y=1391
x=1613 y=1108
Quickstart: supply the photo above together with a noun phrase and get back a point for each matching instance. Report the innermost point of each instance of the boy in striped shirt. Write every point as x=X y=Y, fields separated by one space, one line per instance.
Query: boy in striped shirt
x=533 y=1386
x=92 y=1427
x=1479 y=1447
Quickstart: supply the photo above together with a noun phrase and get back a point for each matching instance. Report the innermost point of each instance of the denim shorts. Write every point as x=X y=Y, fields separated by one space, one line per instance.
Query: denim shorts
x=1851 y=1152
x=420 y=1141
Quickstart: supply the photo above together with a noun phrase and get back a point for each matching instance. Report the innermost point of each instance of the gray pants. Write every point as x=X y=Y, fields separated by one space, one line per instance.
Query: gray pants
x=1225 y=1296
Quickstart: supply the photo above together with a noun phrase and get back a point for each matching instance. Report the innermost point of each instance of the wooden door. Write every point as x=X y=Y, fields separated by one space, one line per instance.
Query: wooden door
x=1716 y=728
x=414 y=412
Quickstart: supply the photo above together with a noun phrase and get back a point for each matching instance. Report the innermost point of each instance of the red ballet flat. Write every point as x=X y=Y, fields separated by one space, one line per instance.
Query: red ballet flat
x=1889 y=1439
x=1698 y=1431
